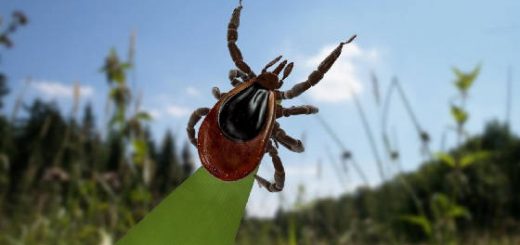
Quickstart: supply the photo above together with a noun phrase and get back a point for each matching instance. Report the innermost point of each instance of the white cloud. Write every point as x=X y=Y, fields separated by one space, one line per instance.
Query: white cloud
x=177 y=110
x=55 y=89
x=192 y=91
x=342 y=79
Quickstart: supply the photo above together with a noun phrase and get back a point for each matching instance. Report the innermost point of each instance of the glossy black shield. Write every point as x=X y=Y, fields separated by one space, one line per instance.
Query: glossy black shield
x=243 y=116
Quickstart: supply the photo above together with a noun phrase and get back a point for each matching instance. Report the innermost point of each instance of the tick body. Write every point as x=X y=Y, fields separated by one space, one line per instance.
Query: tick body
x=241 y=127
x=232 y=141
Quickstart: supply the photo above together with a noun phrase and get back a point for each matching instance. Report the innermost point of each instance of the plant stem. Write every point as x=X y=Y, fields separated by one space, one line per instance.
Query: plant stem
x=408 y=107
x=342 y=147
x=371 y=139
x=335 y=166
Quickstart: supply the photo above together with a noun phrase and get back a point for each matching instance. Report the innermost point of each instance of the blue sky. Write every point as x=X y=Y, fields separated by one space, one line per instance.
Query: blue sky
x=182 y=53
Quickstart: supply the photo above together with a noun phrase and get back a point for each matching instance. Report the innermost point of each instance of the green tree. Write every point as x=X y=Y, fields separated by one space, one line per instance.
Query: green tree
x=3 y=89
x=90 y=140
x=188 y=163
x=169 y=172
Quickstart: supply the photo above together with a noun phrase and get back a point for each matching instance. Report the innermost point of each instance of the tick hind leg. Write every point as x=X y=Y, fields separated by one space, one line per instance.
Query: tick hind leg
x=232 y=37
x=287 y=141
x=194 y=118
x=279 y=172
x=317 y=74
x=296 y=110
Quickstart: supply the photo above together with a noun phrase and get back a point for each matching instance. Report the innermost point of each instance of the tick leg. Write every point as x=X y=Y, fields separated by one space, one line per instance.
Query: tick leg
x=216 y=93
x=232 y=37
x=236 y=77
x=286 y=140
x=295 y=110
x=317 y=74
x=194 y=118
x=279 y=172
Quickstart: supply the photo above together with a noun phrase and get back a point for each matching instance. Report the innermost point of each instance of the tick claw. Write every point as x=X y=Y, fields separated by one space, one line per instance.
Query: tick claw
x=313 y=109
x=299 y=147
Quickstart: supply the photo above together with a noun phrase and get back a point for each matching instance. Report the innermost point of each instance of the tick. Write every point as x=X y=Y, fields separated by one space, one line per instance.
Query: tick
x=241 y=127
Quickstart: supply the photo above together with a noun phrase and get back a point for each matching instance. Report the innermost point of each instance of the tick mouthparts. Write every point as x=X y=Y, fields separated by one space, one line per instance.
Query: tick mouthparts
x=271 y=63
x=279 y=68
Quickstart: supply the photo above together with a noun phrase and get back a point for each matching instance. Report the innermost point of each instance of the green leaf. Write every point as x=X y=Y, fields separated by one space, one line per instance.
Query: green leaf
x=457 y=211
x=203 y=210
x=464 y=80
x=439 y=205
x=292 y=240
x=442 y=207
x=114 y=69
x=446 y=159
x=421 y=221
x=113 y=94
x=140 y=195
x=459 y=114
x=125 y=66
x=473 y=157
x=118 y=118
x=140 y=151
x=440 y=200
x=143 y=116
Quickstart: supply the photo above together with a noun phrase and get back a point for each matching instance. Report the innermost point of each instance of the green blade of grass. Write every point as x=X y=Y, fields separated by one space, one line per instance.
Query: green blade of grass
x=203 y=210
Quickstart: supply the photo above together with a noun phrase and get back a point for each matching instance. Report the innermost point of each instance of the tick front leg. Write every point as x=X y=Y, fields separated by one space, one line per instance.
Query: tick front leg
x=236 y=77
x=232 y=37
x=216 y=93
x=317 y=74
x=279 y=172
x=295 y=110
x=194 y=118
x=289 y=142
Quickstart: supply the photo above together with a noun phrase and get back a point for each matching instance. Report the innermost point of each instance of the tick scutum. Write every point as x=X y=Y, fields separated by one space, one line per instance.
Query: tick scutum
x=242 y=117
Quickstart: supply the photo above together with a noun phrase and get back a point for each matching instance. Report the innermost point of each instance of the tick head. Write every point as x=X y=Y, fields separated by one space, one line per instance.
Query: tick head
x=268 y=80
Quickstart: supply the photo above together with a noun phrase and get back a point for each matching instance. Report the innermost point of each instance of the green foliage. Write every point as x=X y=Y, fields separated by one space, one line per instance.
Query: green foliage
x=463 y=80
x=466 y=160
x=446 y=159
x=140 y=149
x=18 y=18
x=63 y=182
x=143 y=116
x=387 y=213
x=443 y=208
x=84 y=197
x=421 y=221
x=3 y=88
x=459 y=115
x=114 y=69
x=473 y=157
x=292 y=240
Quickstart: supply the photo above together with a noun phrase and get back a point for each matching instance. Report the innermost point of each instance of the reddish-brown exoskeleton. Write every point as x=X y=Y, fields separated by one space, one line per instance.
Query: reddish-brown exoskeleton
x=241 y=127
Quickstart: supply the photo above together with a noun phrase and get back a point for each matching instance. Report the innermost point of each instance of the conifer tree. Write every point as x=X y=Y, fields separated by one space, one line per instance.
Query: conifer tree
x=169 y=172
x=3 y=89
x=188 y=163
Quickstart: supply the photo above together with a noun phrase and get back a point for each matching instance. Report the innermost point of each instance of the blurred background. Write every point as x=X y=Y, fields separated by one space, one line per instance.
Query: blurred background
x=416 y=141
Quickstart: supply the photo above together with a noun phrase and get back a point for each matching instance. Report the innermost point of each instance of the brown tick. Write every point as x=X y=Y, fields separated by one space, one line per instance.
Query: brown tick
x=241 y=127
